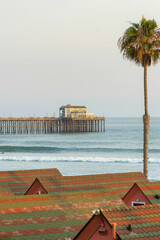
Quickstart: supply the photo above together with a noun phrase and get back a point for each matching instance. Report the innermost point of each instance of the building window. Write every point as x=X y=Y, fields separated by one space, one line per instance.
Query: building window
x=138 y=203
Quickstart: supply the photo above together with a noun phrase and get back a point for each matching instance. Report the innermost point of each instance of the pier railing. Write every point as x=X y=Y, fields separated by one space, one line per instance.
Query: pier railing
x=48 y=125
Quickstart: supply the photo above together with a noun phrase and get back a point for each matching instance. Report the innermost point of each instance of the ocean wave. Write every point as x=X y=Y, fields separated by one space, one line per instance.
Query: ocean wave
x=75 y=159
x=41 y=149
x=44 y=149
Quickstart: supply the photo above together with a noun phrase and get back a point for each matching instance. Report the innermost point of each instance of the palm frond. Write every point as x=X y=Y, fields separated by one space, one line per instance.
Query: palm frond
x=141 y=42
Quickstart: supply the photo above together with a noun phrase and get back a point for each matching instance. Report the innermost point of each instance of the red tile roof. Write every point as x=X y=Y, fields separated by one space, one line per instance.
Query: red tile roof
x=67 y=207
x=17 y=182
x=145 y=221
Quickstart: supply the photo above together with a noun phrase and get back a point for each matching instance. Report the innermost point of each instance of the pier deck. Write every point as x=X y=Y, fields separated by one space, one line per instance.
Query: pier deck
x=49 y=125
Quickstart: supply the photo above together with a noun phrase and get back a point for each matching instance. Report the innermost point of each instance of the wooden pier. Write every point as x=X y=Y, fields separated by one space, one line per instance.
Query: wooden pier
x=49 y=125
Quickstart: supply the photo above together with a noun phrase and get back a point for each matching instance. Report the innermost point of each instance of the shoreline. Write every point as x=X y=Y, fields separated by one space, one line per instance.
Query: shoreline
x=83 y=168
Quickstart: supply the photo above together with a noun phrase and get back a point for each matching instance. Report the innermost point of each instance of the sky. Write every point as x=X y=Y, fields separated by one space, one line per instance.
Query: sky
x=58 y=52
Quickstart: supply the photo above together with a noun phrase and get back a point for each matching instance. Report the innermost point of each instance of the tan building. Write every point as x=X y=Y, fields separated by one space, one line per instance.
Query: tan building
x=69 y=111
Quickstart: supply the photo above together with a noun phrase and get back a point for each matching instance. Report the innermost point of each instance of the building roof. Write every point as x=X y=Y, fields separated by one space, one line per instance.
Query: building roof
x=30 y=172
x=138 y=223
x=50 y=216
x=70 y=106
x=68 y=206
x=141 y=222
x=17 y=182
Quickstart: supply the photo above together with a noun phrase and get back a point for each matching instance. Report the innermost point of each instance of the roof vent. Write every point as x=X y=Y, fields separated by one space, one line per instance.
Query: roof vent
x=129 y=227
x=157 y=196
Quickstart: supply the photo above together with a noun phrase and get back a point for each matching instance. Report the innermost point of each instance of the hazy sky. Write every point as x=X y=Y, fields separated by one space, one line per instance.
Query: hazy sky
x=57 y=52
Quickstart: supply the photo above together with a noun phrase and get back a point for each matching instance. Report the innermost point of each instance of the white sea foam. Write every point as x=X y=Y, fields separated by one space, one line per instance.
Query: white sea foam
x=73 y=159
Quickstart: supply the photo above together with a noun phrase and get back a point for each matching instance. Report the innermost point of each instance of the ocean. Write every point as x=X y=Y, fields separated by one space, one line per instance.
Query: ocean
x=118 y=149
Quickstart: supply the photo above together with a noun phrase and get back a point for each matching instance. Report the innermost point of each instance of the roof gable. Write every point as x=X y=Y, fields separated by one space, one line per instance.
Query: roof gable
x=135 y=196
x=97 y=228
x=36 y=188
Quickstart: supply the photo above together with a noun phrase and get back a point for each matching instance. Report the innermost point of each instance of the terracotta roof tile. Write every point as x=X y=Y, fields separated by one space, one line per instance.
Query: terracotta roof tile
x=69 y=203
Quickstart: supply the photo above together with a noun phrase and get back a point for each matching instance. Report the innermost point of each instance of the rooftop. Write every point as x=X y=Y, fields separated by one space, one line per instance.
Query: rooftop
x=18 y=182
x=144 y=220
x=70 y=106
x=138 y=223
x=69 y=203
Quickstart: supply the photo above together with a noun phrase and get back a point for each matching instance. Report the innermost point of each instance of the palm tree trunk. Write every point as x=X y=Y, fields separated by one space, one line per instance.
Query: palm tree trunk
x=146 y=120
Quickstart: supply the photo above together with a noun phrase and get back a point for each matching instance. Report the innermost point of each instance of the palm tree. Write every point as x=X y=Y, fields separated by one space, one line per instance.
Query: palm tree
x=141 y=44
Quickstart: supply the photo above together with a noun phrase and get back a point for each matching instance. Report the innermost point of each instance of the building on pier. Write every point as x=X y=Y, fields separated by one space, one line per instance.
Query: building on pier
x=70 y=111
